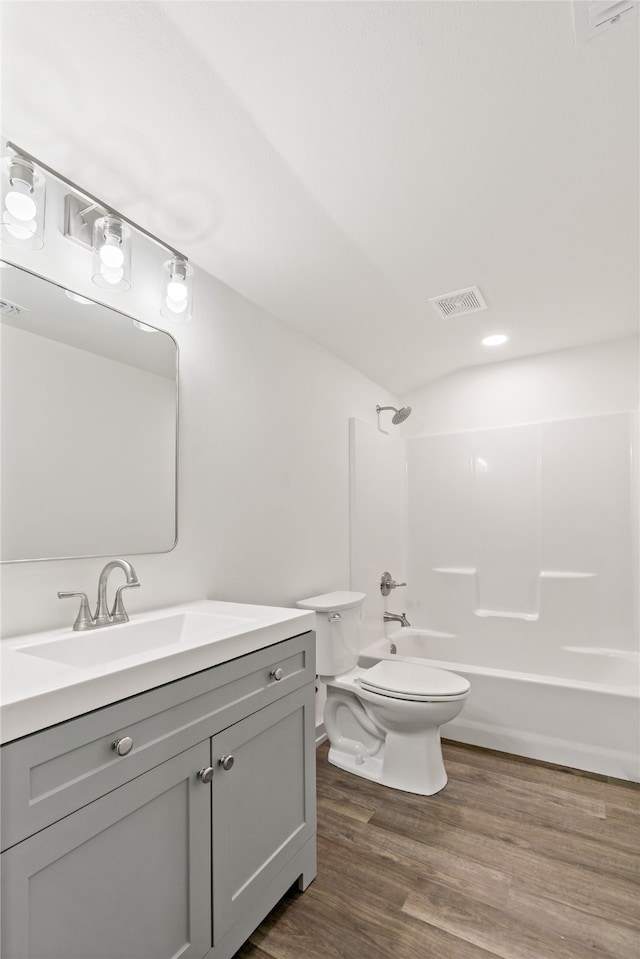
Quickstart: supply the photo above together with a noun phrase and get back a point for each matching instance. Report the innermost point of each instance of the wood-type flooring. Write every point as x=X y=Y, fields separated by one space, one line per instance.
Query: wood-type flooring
x=514 y=859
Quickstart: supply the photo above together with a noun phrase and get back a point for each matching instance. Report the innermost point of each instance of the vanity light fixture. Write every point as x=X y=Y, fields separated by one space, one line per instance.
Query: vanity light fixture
x=93 y=225
x=23 y=203
x=495 y=339
x=176 y=290
x=111 y=254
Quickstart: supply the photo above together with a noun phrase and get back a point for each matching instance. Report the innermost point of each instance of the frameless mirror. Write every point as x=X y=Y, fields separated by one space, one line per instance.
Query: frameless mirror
x=89 y=427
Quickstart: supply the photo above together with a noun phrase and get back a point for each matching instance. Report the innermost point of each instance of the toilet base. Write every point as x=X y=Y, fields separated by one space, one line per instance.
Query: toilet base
x=414 y=766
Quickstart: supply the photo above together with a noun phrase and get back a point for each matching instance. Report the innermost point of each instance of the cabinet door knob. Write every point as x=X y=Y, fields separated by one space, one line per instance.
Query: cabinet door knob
x=122 y=746
x=277 y=673
x=206 y=774
x=226 y=762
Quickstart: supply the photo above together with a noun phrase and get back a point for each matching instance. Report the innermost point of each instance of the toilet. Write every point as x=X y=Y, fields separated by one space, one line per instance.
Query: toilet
x=383 y=723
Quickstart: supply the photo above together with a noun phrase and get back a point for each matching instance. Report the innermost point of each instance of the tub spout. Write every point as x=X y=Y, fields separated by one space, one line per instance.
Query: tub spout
x=396 y=618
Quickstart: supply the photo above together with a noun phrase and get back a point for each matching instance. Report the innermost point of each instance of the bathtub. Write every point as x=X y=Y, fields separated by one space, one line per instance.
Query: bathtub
x=583 y=712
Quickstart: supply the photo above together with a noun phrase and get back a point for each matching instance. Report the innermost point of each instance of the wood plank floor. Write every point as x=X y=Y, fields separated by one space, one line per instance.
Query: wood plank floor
x=514 y=859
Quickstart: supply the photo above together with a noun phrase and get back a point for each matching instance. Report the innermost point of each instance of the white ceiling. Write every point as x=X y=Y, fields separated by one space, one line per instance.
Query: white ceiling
x=340 y=163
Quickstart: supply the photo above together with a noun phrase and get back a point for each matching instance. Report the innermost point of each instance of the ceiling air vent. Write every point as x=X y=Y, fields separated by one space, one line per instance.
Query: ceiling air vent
x=592 y=19
x=459 y=302
x=7 y=308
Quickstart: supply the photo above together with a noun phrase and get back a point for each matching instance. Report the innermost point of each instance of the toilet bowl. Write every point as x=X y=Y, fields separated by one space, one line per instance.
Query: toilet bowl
x=383 y=723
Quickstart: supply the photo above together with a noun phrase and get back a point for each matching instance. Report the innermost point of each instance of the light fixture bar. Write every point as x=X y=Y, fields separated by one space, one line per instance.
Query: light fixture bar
x=93 y=199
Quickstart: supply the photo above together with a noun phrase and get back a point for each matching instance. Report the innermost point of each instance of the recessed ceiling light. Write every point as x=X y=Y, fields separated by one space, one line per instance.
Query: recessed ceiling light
x=79 y=299
x=496 y=339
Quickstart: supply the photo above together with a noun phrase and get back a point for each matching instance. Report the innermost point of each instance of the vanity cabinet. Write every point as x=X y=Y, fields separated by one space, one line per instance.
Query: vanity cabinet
x=126 y=877
x=180 y=847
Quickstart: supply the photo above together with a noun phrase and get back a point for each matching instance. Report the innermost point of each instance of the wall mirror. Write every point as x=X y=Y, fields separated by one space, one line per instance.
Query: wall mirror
x=89 y=427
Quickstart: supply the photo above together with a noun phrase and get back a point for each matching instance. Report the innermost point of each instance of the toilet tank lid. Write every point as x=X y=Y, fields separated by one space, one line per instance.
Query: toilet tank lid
x=332 y=602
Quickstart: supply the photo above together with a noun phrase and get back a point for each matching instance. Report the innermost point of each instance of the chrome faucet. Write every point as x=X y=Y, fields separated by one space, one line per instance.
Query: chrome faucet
x=103 y=617
x=118 y=614
x=396 y=618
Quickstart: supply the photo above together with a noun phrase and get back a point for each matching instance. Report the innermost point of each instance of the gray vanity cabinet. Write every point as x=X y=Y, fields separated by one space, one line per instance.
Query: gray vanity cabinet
x=178 y=849
x=126 y=877
x=260 y=808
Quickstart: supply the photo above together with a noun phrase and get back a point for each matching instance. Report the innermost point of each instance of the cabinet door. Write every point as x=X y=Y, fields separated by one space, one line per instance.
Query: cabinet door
x=264 y=805
x=126 y=877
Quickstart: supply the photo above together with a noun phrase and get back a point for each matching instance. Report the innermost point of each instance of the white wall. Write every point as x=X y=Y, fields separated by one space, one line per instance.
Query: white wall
x=263 y=460
x=584 y=381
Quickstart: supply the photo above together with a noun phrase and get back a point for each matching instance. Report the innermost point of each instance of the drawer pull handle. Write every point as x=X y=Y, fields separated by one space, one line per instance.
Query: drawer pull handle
x=206 y=774
x=226 y=762
x=123 y=746
x=277 y=674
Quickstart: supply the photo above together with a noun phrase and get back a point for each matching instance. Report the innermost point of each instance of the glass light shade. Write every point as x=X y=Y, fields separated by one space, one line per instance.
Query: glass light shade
x=111 y=254
x=23 y=203
x=176 y=291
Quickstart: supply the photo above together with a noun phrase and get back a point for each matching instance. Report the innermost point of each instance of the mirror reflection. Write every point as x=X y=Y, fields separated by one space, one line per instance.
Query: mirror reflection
x=89 y=426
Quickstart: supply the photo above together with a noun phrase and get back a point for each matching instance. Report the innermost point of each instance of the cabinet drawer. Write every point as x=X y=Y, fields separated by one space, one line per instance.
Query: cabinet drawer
x=50 y=774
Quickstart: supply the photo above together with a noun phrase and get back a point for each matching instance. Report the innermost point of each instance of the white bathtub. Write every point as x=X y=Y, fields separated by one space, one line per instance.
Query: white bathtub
x=583 y=712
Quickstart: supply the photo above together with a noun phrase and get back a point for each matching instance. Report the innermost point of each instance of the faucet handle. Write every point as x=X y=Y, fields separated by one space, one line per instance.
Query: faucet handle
x=119 y=614
x=387 y=583
x=84 y=620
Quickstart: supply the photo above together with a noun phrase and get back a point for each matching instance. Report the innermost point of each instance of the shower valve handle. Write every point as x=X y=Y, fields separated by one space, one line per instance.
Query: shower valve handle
x=387 y=584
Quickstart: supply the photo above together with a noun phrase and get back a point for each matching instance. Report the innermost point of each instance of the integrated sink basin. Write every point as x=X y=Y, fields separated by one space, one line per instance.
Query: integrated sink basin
x=46 y=678
x=101 y=646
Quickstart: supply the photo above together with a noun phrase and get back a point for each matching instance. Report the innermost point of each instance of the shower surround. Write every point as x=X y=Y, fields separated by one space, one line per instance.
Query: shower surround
x=520 y=553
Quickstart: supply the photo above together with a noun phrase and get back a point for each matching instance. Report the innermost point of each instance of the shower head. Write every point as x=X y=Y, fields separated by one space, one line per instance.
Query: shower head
x=399 y=416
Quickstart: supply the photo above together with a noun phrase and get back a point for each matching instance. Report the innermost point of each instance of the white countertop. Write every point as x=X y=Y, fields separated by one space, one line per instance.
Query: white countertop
x=36 y=692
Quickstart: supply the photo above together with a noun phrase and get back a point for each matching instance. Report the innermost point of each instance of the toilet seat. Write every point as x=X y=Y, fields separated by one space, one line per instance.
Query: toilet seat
x=413 y=681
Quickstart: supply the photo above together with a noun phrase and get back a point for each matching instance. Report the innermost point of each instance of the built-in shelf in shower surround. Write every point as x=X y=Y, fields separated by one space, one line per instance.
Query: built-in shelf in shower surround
x=505 y=613
x=524 y=529
x=560 y=574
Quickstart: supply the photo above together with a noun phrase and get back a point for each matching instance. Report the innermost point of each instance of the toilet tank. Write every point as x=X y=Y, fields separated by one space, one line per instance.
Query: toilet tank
x=337 y=630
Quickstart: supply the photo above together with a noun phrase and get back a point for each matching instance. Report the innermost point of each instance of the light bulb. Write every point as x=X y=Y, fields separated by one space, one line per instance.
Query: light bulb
x=112 y=276
x=177 y=306
x=20 y=203
x=21 y=231
x=111 y=253
x=176 y=290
